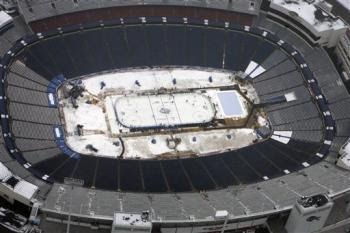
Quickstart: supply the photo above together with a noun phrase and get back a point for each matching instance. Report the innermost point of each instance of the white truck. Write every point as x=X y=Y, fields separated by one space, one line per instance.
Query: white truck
x=344 y=159
x=6 y=21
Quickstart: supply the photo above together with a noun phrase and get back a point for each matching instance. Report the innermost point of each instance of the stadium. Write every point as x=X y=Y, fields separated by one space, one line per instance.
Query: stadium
x=174 y=116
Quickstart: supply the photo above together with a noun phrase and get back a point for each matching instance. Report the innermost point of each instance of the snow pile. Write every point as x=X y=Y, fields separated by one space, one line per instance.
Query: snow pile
x=262 y=121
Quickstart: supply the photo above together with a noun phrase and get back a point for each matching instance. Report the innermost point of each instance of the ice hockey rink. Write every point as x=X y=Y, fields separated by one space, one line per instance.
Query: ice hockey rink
x=152 y=111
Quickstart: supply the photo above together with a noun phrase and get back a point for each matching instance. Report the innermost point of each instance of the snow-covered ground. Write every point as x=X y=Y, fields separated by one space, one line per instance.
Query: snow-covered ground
x=198 y=143
x=345 y=3
x=112 y=103
x=306 y=11
x=86 y=115
x=105 y=146
x=155 y=79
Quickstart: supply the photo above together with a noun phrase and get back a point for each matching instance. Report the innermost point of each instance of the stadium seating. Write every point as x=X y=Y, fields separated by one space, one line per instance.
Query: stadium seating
x=80 y=50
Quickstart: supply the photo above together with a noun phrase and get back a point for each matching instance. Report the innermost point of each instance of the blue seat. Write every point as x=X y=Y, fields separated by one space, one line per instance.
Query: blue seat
x=264 y=50
x=175 y=176
x=99 y=51
x=111 y=22
x=18 y=46
x=117 y=47
x=138 y=50
x=91 y=25
x=299 y=59
x=174 y=20
x=86 y=170
x=152 y=176
x=236 y=27
x=49 y=33
x=71 y=28
x=132 y=20
x=83 y=61
x=107 y=174
x=198 y=176
x=288 y=48
x=155 y=37
x=219 y=171
x=272 y=37
x=217 y=24
x=215 y=48
x=195 y=46
x=195 y=21
x=154 y=19
x=130 y=177
x=39 y=59
x=176 y=44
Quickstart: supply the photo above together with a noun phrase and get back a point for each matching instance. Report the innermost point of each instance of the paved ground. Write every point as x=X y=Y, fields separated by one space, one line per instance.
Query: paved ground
x=338 y=9
x=50 y=227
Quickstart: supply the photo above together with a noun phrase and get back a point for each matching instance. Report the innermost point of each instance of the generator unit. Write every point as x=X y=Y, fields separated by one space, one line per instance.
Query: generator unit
x=129 y=222
x=309 y=214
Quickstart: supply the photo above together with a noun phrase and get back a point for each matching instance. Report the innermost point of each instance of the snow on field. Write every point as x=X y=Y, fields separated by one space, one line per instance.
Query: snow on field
x=164 y=110
x=306 y=11
x=154 y=79
x=102 y=143
x=197 y=142
x=262 y=121
x=130 y=97
x=88 y=115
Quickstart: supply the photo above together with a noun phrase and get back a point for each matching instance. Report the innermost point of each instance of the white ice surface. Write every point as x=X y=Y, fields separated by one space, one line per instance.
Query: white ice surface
x=164 y=110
